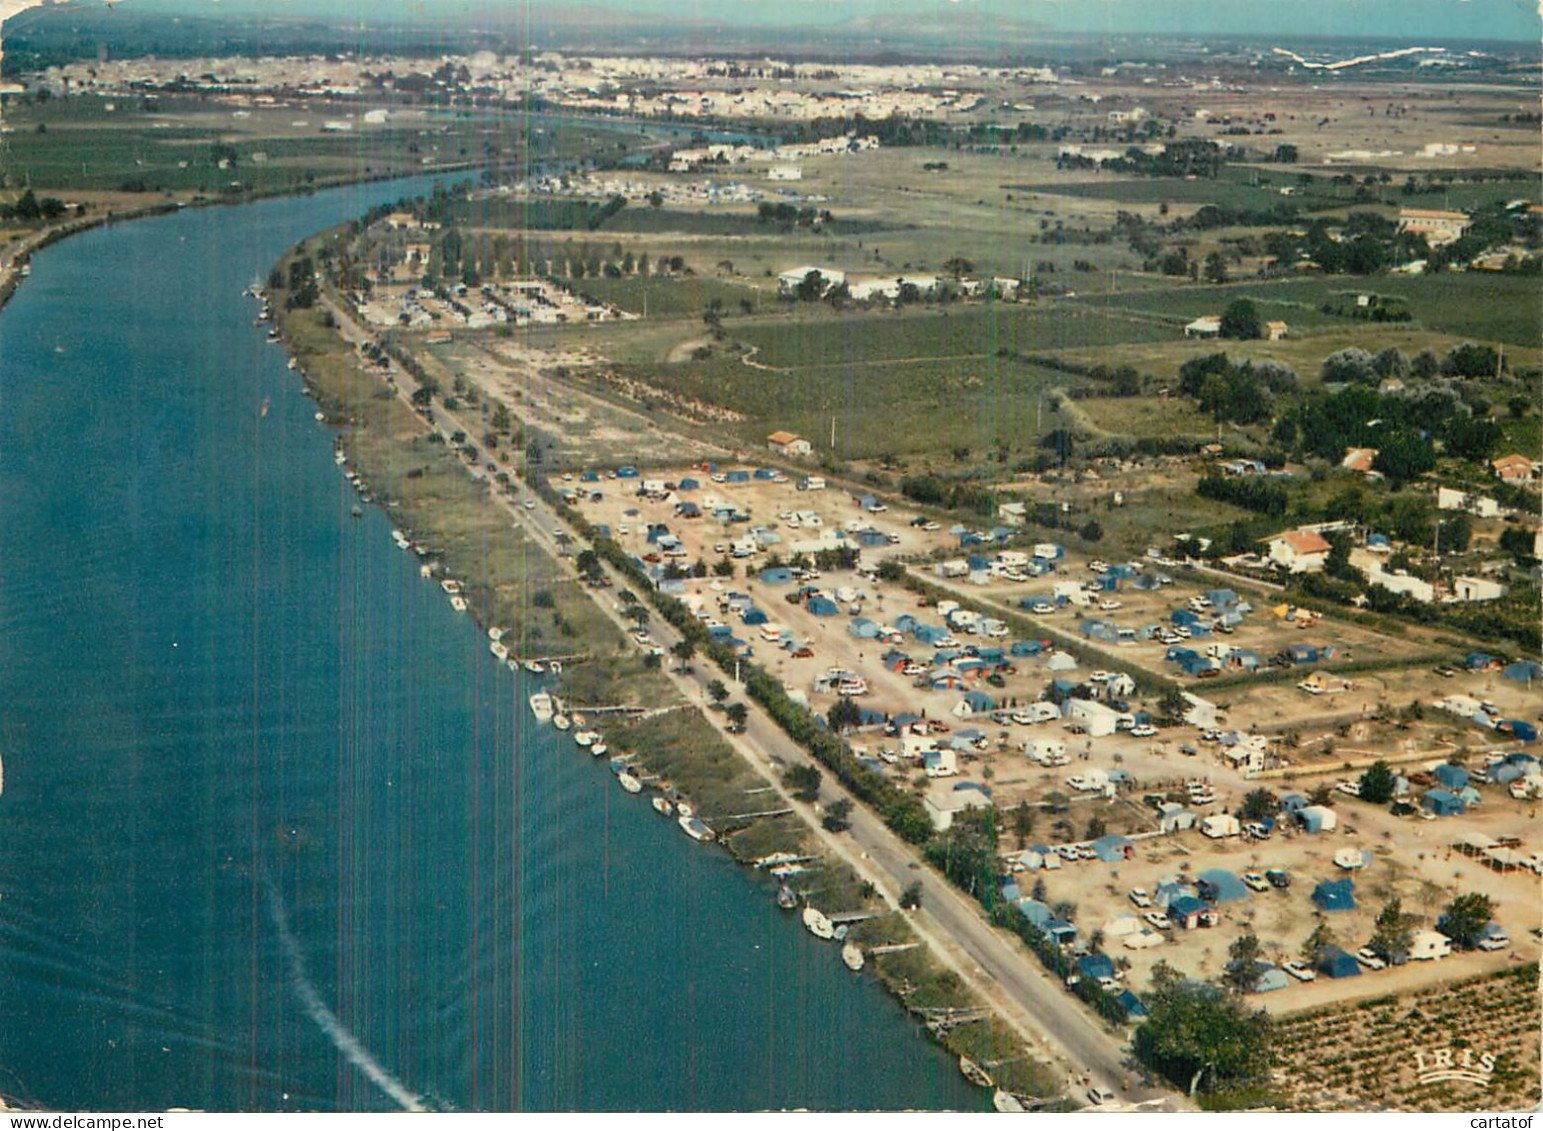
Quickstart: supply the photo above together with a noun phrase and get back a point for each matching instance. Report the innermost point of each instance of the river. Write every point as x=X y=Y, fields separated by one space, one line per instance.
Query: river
x=276 y=833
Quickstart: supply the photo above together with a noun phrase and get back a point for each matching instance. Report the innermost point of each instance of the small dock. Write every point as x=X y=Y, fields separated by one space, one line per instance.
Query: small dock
x=854 y=916
x=892 y=948
x=749 y=816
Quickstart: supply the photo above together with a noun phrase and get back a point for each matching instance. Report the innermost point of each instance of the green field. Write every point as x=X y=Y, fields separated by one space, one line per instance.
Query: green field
x=1481 y=305
x=972 y=334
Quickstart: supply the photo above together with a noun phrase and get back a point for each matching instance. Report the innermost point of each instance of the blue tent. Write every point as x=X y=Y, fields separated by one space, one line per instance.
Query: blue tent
x=1523 y=671
x=1035 y=912
x=929 y=633
x=752 y=617
x=1225 y=886
x=588 y=477
x=1443 y=803
x=1271 y=978
x=626 y=472
x=1170 y=890
x=1026 y=648
x=1520 y=729
x=1184 y=617
x=1334 y=895
x=1095 y=966
x=1114 y=848
x=823 y=607
x=870 y=538
x=688 y=484
x=1478 y=661
x=1450 y=776
x=776 y=575
x=1337 y=964
x=1131 y=1003
x=1185 y=912
x=688 y=510
x=863 y=628
x=1221 y=598
x=765 y=473
x=1011 y=892
x=980 y=702
x=1291 y=802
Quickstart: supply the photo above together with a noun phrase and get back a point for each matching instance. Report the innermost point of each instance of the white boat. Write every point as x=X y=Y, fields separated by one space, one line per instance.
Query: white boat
x=560 y=722
x=450 y=585
x=495 y=633
x=975 y=1074
x=695 y=829
x=819 y=926
x=684 y=809
x=585 y=737
x=629 y=783
x=663 y=807
x=541 y=706
x=555 y=667
x=852 y=955
x=598 y=749
x=458 y=604
x=1005 y=1101
x=534 y=667
x=498 y=650
x=776 y=858
x=425 y=570
x=514 y=665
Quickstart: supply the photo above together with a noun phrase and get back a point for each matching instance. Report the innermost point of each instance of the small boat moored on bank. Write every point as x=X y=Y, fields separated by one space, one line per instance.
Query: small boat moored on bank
x=663 y=807
x=1005 y=1101
x=852 y=955
x=975 y=1074
x=817 y=922
x=586 y=737
x=695 y=829
x=542 y=707
x=560 y=721
x=787 y=899
x=629 y=783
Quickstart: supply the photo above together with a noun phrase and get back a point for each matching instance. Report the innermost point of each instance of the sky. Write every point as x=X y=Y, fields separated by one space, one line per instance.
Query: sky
x=1408 y=19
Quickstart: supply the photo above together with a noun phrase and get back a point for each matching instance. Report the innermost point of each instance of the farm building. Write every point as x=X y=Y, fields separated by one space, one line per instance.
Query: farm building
x=1299 y=551
x=787 y=444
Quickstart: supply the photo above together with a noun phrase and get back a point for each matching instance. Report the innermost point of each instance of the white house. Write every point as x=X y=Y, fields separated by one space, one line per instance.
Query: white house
x=789 y=281
x=943 y=805
x=1199 y=712
x=1477 y=589
x=1299 y=551
x=1436 y=225
x=1099 y=718
x=787 y=444
x=1013 y=514
x=1400 y=581
x=1481 y=506
x=1206 y=326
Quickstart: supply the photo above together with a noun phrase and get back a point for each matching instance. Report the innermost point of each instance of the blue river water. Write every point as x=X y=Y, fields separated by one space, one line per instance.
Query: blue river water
x=276 y=832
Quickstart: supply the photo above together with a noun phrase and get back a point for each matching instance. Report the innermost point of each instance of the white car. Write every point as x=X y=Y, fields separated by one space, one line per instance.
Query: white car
x=1066 y=851
x=1181 y=632
x=1301 y=971
x=1098 y=1095
x=1139 y=897
x=1142 y=731
x=1493 y=942
x=931 y=526
x=1349 y=788
x=530 y=504
x=1256 y=882
x=1101 y=676
x=1369 y=958
x=1042 y=608
x=1109 y=604
x=1158 y=920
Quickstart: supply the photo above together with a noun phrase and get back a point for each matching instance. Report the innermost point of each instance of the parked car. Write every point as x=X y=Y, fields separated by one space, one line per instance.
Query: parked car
x=803 y=654
x=1139 y=897
x=1143 y=731
x=1301 y=971
x=1494 y=942
x=1369 y=958
x=1109 y=604
x=1256 y=882
x=1097 y=1095
x=1349 y=788
x=1278 y=879
x=1159 y=920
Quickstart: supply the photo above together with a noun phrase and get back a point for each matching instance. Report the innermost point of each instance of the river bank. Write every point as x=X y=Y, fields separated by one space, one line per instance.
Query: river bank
x=459 y=506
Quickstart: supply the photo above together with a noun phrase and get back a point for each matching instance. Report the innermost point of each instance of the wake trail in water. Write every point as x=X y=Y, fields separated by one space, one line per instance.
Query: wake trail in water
x=345 y=1042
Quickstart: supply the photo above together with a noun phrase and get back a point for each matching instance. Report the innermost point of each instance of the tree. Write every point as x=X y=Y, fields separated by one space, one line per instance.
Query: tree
x=1200 y=1036
x=1243 y=956
x=736 y=713
x=1216 y=272
x=803 y=780
x=1349 y=366
x=958 y=265
x=1258 y=804
x=1172 y=705
x=911 y=898
x=1316 y=944
x=716 y=691
x=844 y=715
x=1393 y=930
x=1377 y=784
x=683 y=650
x=838 y=815
x=967 y=852
x=1465 y=918
x=1023 y=823
x=1404 y=455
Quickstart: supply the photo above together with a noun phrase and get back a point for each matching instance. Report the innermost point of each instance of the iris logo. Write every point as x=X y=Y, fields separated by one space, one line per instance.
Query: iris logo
x=1454 y=1064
